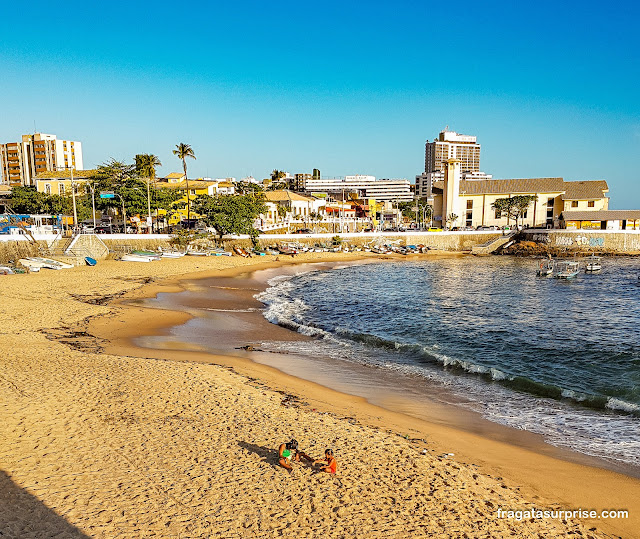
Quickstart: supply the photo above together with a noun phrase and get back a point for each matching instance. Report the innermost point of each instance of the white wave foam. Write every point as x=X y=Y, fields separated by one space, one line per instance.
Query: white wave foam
x=251 y=310
x=497 y=374
x=617 y=404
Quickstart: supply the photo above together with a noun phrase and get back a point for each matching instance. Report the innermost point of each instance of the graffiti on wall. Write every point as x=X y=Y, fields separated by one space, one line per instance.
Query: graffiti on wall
x=564 y=240
x=541 y=238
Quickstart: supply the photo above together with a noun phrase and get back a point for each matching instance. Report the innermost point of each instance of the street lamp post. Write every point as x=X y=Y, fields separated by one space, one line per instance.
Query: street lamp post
x=149 y=219
x=93 y=203
x=73 y=196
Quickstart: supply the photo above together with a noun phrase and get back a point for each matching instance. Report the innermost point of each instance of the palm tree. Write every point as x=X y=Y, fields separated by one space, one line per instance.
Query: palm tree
x=183 y=151
x=146 y=164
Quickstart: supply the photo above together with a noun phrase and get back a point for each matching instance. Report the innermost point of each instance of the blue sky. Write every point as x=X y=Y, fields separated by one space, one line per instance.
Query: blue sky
x=550 y=89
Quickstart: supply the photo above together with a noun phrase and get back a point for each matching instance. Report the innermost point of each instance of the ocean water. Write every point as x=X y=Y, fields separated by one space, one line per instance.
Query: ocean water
x=557 y=358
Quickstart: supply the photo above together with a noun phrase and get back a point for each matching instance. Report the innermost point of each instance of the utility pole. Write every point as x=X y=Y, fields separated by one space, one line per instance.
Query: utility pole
x=73 y=196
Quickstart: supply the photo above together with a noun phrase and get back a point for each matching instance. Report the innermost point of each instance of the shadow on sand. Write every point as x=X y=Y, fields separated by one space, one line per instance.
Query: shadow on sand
x=271 y=456
x=268 y=454
x=24 y=515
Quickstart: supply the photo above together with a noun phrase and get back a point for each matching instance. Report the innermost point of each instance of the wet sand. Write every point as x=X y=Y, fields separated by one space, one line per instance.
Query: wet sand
x=117 y=440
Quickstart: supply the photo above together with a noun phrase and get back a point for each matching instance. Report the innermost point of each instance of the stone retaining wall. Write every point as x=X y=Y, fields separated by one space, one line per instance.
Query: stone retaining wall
x=621 y=242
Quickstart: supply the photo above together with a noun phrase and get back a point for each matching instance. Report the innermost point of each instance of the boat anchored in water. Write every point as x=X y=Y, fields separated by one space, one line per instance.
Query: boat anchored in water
x=566 y=269
x=593 y=263
x=546 y=268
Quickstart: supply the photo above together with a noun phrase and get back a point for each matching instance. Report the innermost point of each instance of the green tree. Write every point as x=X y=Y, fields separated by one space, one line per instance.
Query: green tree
x=112 y=176
x=231 y=214
x=503 y=207
x=407 y=209
x=451 y=219
x=183 y=151
x=146 y=164
x=513 y=207
x=521 y=204
x=246 y=188
x=27 y=200
x=277 y=180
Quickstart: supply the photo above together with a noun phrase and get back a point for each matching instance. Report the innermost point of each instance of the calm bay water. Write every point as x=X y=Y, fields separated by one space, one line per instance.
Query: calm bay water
x=558 y=358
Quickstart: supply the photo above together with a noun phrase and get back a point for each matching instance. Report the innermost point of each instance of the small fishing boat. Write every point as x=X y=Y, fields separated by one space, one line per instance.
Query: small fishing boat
x=6 y=270
x=194 y=252
x=241 y=252
x=566 y=270
x=593 y=263
x=90 y=261
x=149 y=254
x=219 y=251
x=131 y=257
x=174 y=254
x=546 y=268
x=287 y=250
x=39 y=262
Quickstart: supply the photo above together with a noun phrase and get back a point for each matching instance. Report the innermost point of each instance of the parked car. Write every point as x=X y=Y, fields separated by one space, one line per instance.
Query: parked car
x=434 y=229
x=487 y=227
x=103 y=230
x=304 y=231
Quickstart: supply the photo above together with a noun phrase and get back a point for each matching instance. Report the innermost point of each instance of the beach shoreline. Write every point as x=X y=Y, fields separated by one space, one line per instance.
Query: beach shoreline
x=106 y=329
x=445 y=437
x=239 y=303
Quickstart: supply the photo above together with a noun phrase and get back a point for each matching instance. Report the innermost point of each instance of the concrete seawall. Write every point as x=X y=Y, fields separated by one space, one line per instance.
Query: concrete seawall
x=604 y=241
x=616 y=241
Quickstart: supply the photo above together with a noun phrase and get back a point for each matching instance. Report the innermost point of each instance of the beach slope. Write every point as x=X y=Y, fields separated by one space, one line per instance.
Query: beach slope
x=105 y=445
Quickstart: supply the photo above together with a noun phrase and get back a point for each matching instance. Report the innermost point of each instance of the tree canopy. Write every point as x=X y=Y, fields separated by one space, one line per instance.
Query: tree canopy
x=183 y=151
x=231 y=214
x=146 y=164
x=27 y=200
x=513 y=207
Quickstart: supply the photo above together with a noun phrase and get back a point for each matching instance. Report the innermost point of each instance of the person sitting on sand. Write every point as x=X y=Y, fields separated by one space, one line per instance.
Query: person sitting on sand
x=289 y=452
x=328 y=463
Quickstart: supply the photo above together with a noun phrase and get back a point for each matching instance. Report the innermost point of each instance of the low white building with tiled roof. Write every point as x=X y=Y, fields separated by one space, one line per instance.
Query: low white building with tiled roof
x=284 y=204
x=471 y=201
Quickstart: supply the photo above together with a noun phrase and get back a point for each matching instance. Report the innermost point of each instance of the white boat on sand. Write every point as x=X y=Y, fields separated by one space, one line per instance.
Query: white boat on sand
x=136 y=258
x=39 y=262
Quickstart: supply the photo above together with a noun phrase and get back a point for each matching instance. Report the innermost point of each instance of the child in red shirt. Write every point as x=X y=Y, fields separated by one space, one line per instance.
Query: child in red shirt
x=332 y=464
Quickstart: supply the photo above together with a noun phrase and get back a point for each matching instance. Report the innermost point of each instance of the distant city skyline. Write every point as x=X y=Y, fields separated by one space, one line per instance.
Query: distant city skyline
x=341 y=88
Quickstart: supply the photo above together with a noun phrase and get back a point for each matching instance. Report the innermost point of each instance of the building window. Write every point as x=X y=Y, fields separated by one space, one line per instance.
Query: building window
x=574 y=203
x=498 y=214
x=47 y=188
x=61 y=188
x=592 y=204
x=469 y=204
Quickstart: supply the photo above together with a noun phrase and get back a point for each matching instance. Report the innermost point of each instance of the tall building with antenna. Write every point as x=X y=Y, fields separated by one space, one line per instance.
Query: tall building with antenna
x=451 y=145
x=20 y=162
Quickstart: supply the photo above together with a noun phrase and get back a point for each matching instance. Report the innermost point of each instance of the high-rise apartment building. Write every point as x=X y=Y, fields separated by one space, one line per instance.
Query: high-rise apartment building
x=451 y=145
x=20 y=162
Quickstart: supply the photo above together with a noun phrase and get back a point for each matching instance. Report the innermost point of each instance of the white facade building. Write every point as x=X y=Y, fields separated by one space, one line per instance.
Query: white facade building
x=365 y=186
x=425 y=181
x=21 y=162
x=451 y=145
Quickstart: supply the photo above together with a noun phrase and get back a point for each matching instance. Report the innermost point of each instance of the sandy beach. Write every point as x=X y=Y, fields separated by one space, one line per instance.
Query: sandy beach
x=102 y=438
